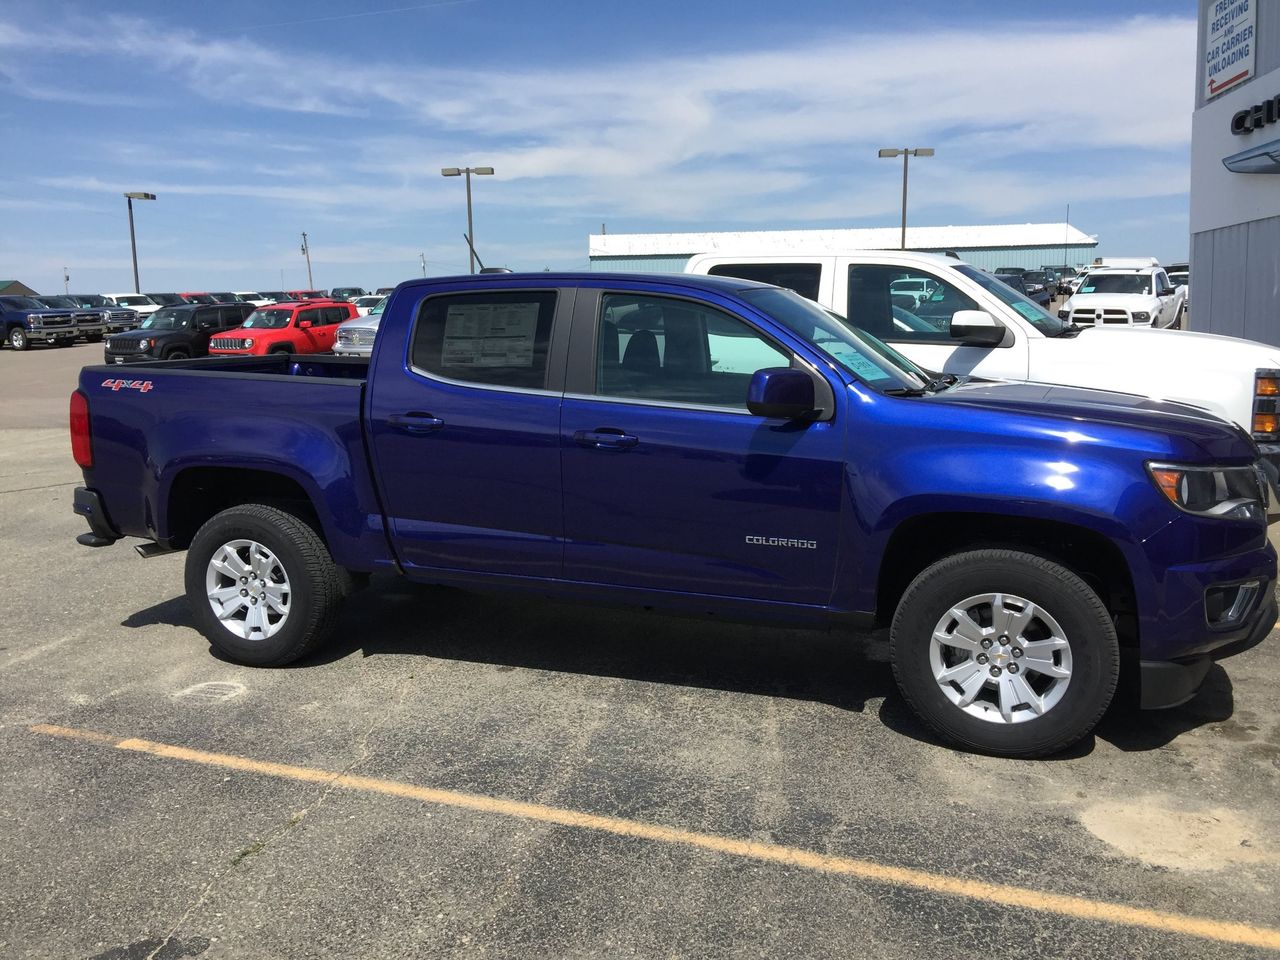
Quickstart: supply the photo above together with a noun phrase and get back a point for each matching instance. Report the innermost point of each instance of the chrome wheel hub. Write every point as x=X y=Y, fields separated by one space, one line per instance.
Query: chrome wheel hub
x=248 y=589
x=1000 y=658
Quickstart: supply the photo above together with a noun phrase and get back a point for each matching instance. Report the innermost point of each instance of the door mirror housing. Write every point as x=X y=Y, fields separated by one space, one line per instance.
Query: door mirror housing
x=976 y=328
x=303 y=324
x=781 y=393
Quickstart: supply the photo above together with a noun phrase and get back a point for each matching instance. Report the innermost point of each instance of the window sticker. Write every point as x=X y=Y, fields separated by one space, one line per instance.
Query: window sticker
x=489 y=335
x=1088 y=289
x=856 y=362
x=1029 y=310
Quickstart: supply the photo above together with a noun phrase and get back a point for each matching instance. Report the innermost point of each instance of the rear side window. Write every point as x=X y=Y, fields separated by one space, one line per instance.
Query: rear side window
x=311 y=315
x=333 y=315
x=495 y=338
x=800 y=277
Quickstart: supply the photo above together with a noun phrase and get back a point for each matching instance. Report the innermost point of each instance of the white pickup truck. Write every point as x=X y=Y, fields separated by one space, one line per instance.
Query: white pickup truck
x=972 y=324
x=1136 y=296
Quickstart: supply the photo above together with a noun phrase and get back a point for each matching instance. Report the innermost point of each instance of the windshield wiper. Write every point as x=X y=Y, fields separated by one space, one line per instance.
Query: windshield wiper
x=1072 y=329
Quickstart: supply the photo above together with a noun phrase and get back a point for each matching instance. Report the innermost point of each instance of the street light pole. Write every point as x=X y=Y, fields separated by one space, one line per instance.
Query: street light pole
x=422 y=257
x=906 y=153
x=133 y=242
x=467 y=172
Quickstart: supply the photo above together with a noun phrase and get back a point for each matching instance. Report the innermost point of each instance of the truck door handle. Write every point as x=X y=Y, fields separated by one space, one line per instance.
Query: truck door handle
x=605 y=438
x=415 y=422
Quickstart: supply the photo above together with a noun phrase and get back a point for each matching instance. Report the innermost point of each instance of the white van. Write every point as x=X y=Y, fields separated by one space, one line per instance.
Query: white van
x=972 y=324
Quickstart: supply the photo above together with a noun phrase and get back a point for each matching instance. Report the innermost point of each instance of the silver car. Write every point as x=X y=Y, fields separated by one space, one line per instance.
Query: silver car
x=355 y=337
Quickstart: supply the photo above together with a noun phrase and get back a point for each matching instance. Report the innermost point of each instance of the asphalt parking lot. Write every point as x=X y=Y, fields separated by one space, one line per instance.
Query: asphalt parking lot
x=466 y=776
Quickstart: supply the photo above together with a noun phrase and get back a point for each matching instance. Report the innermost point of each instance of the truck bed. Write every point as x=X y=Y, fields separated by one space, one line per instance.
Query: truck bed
x=167 y=434
x=274 y=366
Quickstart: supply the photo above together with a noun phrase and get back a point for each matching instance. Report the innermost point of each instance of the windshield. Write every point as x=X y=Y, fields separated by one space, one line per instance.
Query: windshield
x=1117 y=283
x=860 y=353
x=1030 y=311
x=378 y=307
x=198 y=298
x=136 y=300
x=89 y=300
x=268 y=319
x=167 y=319
x=20 y=303
x=62 y=303
x=165 y=299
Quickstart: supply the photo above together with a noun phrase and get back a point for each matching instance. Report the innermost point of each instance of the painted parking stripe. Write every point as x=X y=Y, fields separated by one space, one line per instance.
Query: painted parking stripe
x=1080 y=908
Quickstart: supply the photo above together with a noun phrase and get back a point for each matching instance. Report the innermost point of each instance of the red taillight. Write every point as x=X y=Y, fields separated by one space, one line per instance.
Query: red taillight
x=81 y=443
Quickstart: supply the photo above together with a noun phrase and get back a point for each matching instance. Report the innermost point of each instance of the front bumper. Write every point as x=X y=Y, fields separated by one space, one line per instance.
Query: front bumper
x=1168 y=683
x=1204 y=612
x=52 y=334
x=127 y=357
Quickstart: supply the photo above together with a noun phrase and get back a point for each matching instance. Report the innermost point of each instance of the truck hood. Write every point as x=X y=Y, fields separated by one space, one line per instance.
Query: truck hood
x=1127 y=301
x=1209 y=371
x=1217 y=438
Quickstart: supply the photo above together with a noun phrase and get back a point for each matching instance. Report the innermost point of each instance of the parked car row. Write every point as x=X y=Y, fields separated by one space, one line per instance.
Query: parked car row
x=65 y=318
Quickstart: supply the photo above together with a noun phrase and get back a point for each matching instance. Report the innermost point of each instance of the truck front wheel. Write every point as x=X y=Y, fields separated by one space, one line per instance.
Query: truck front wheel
x=18 y=338
x=1005 y=652
x=262 y=585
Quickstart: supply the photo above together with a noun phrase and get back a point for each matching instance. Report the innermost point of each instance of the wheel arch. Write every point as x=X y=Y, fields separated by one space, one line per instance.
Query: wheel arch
x=922 y=540
x=196 y=494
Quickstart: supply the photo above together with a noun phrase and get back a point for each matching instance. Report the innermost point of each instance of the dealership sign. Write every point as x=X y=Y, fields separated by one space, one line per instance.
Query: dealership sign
x=1230 y=43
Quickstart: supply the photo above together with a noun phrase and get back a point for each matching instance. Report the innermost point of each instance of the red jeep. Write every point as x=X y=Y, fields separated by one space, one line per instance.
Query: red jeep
x=306 y=327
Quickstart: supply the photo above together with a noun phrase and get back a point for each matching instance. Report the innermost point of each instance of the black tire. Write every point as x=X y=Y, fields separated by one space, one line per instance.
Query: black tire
x=177 y=355
x=18 y=338
x=316 y=585
x=1093 y=651
x=93 y=337
x=286 y=348
x=64 y=343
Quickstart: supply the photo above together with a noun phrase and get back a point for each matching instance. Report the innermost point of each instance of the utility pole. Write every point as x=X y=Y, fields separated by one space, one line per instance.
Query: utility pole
x=66 y=281
x=423 y=258
x=1066 y=234
x=306 y=252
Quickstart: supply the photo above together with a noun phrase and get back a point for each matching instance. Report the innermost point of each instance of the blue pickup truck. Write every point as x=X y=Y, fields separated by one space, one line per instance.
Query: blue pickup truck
x=24 y=321
x=706 y=445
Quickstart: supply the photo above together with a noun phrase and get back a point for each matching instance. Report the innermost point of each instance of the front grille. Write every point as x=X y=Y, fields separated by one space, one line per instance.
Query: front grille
x=122 y=316
x=227 y=343
x=124 y=345
x=360 y=337
x=88 y=319
x=1094 y=315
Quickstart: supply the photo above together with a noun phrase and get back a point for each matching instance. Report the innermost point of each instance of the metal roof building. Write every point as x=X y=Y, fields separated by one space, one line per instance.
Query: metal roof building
x=1027 y=245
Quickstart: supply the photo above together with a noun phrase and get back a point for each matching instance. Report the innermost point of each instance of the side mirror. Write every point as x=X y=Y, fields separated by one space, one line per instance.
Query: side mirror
x=976 y=328
x=781 y=393
x=303 y=324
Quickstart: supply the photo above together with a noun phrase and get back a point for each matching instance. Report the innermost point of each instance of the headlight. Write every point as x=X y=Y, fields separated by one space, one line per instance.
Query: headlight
x=1141 y=316
x=1226 y=493
x=36 y=321
x=248 y=343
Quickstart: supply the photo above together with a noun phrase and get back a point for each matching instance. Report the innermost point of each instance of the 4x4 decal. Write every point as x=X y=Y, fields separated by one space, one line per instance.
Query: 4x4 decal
x=116 y=386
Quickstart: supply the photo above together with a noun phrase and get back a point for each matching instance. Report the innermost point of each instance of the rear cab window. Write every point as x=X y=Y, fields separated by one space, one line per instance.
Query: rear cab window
x=493 y=338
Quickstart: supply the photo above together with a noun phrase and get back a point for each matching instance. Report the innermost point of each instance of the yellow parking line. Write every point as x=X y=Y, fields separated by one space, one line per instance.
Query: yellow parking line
x=1080 y=908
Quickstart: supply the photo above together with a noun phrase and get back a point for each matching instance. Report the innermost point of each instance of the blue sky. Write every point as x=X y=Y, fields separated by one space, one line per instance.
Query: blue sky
x=254 y=121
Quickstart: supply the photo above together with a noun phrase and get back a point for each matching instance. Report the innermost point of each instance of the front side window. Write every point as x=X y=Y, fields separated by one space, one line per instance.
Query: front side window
x=496 y=338
x=800 y=277
x=677 y=351
x=898 y=303
x=1030 y=311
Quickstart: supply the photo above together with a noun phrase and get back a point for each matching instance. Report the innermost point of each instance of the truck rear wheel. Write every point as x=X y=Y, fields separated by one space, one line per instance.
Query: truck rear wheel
x=1005 y=652
x=262 y=585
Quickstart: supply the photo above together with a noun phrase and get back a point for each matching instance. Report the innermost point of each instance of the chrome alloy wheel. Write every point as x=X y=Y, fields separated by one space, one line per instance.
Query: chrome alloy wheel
x=1000 y=658
x=248 y=589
